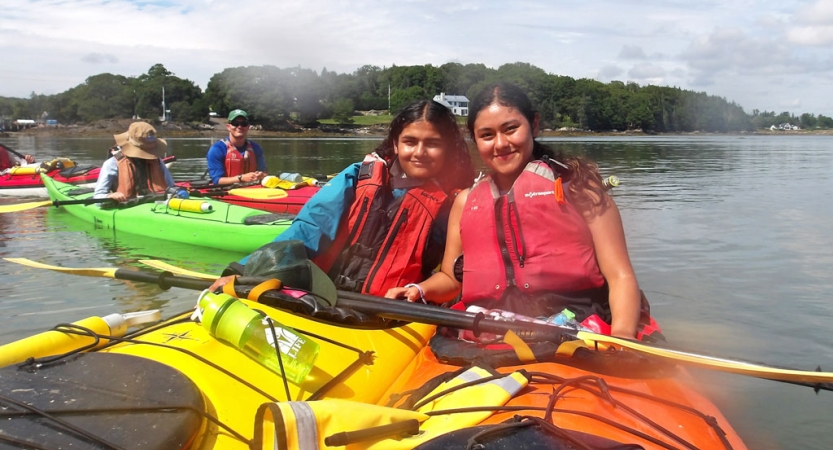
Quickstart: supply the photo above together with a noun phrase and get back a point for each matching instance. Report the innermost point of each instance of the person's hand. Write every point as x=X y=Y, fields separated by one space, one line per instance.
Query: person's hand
x=29 y=159
x=259 y=175
x=250 y=177
x=410 y=294
x=117 y=196
x=220 y=282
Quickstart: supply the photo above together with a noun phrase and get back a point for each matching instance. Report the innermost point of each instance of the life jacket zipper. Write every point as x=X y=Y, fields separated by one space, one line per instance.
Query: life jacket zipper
x=359 y=220
x=501 y=242
x=403 y=217
x=520 y=249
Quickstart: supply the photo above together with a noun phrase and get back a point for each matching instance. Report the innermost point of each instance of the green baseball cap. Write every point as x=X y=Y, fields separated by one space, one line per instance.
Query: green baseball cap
x=237 y=113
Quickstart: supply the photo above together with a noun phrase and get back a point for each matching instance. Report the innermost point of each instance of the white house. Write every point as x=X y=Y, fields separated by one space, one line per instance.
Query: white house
x=458 y=104
x=785 y=127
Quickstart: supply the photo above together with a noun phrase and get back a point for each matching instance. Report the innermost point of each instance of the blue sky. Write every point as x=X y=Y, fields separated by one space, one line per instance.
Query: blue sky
x=766 y=55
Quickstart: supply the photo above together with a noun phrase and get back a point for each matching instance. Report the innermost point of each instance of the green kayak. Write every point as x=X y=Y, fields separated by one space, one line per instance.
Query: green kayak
x=220 y=225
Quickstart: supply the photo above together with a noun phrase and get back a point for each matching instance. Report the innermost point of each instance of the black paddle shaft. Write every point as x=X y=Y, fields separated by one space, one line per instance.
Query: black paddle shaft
x=13 y=152
x=387 y=308
x=414 y=312
x=83 y=201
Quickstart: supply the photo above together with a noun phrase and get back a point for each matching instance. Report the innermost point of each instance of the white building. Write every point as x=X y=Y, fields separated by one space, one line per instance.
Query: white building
x=785 y=127
x=458 y=104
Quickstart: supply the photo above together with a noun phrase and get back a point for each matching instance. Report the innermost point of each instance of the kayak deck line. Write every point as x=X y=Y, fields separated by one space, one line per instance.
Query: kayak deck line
x=445 y=317
x=567 y=387
x=336 y=375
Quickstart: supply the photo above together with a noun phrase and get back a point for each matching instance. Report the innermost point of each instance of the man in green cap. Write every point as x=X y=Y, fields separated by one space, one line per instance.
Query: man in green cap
x=236 y=159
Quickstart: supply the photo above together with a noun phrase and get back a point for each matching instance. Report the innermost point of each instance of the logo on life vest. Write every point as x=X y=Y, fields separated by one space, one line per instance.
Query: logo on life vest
x=538 y=194
x=425 y=194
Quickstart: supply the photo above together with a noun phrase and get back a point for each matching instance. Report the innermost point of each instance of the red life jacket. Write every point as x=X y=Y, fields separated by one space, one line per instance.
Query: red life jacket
x=238 y=163
x=380 y=243
x=526 y=239
x=129 y=178
x=6 y=161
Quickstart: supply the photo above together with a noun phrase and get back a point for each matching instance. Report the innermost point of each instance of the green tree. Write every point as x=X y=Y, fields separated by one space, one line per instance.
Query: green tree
x=343 y=111
x=825 y=122
x=402 y=97
x=104 y=96
x=808 y=120
x=149 y=88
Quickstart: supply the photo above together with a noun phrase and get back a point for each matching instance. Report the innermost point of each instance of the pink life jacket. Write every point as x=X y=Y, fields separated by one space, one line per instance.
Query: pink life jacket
x=525 y=238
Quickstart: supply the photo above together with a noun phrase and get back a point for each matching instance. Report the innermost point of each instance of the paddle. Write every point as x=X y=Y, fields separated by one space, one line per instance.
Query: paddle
x=32 y=205
x=197 y=189
x=23 y=157
x=259 y=194
x=252 y=194
x=414 y=312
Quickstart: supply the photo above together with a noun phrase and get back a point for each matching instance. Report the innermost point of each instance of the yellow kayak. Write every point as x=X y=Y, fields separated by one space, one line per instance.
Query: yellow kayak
x=173 y=385
x=375 y=384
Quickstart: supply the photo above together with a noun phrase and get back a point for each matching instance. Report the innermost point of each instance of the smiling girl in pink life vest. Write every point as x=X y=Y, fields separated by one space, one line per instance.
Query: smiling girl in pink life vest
x=538 y=232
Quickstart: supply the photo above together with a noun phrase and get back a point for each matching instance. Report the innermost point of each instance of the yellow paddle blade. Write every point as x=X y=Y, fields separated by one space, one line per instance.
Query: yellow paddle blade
x=713 y=363
x=162 y=265
x=259 y=194
x=24 y=206
x=106 y=272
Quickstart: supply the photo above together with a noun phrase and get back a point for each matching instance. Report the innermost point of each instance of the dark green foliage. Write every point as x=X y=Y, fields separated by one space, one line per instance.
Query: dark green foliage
x=278 y=98
x=343 y=111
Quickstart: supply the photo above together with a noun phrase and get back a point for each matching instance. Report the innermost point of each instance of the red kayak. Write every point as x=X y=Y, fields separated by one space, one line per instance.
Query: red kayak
x=25 y=181
x=275 y=200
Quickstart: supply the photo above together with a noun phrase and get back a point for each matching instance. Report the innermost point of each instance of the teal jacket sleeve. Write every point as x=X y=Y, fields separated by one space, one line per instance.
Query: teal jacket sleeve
x=318 y=221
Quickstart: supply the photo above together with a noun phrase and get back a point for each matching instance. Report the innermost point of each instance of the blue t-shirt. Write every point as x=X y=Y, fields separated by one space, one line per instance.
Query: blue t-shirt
x=216 y=158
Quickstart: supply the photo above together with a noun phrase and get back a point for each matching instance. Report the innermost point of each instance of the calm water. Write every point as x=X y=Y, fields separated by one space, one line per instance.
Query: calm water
x=730 y=238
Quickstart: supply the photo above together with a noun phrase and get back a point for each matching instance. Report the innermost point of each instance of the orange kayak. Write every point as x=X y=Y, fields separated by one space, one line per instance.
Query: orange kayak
x=595 y=398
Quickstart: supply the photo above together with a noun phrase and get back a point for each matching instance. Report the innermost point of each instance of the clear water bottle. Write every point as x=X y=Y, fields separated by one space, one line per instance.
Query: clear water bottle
x=230 y=320
x=293 y=177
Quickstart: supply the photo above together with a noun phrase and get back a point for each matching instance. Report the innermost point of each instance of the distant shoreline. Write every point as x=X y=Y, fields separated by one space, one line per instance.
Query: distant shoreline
x=174 y=130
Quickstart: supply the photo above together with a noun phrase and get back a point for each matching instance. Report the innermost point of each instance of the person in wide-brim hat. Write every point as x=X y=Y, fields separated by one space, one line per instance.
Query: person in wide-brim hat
x=135 y=167
x=140 y=141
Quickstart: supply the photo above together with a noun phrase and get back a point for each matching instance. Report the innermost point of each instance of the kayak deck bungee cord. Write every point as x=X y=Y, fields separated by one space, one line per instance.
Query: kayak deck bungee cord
x=602 y=393
x=352 y=364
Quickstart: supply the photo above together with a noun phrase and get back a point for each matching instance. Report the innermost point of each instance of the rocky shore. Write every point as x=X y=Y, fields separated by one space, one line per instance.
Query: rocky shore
x=217 y=130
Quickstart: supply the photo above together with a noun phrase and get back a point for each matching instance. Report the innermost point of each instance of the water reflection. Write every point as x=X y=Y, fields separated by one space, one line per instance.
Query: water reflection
x=729 y=236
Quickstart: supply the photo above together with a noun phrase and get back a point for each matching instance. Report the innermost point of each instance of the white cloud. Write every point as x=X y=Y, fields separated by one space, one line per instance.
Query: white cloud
x=736 y=48
x=646 y=73
x=813 y=25
x=610 y=72
x=632 y=52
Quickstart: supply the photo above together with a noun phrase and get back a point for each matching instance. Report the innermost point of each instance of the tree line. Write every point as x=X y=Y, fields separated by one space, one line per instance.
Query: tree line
x=289 y=98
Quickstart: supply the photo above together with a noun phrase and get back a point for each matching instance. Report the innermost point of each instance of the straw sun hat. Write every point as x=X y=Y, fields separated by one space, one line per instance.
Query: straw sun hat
x=140 y=141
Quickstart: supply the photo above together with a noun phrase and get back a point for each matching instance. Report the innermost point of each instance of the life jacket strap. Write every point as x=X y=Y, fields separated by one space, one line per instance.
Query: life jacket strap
x=525 y=354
